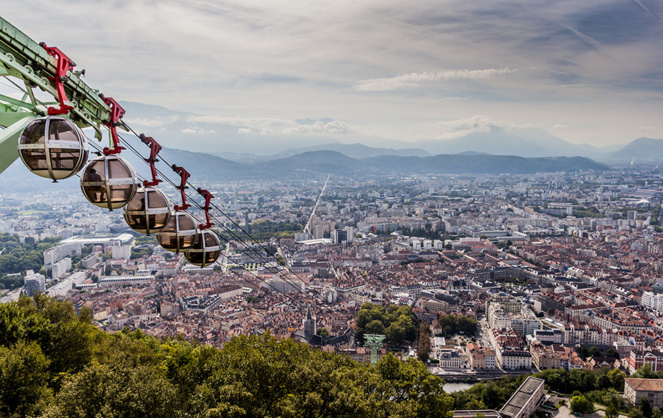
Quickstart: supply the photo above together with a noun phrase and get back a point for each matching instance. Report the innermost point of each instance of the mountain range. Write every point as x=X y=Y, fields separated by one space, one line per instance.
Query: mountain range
x=493 y=151
x=310 y=164
x=230 y=138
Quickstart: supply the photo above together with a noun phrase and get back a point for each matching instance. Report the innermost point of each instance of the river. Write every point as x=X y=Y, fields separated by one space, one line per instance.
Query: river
x=455 y=387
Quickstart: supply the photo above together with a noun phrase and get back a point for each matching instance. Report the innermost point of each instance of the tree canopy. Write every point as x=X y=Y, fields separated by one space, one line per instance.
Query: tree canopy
x=17 y=257
x=54 y=363
x=454 y=324
x=398 y=323
x=581 y=405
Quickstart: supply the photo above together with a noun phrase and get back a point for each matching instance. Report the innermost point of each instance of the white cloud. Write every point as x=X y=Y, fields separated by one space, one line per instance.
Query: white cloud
x=262 y=125
x=194 y=130
x=294 y=59
x=268 y=126
x=477 y=123
x=414 y=79
x=334 y=127
x=152 y=123
x=461 y=127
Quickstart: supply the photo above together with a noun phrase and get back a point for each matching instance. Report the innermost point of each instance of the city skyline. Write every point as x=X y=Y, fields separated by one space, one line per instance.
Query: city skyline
x=378 y=71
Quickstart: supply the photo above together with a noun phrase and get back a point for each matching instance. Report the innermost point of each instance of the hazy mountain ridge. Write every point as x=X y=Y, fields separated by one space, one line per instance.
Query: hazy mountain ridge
x=354 y=151
x=641 y=150
x=313 y=163
x=231 y=139
x=331 y=162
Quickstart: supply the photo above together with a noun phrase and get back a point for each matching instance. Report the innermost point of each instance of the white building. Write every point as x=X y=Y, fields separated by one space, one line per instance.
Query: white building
x=57 y=253
x=653 y=301
x=548 y=336
x=451 y=360
x=121 y=251
x=34 y=282
x=497 y=317
x=61 y=288
x=60 y=268
x=525 y=326
x=513 y=360
x=284 y=286
x=122 y=280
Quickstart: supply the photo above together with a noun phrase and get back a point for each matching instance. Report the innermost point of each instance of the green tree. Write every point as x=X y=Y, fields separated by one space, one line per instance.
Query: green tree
x=375 y=327
x=611 y=412
x=617 y=379
x=581 y=405
x=54 y=363
x=612 y=352
x=604 y=382
x=582 y=379
x=423 y=347
x=635 y=412
x=593 y=351
x=395 y=333
x=117 y=390
x=23 y=379
x=645 y=372
x=397 y=323
x=645 y=407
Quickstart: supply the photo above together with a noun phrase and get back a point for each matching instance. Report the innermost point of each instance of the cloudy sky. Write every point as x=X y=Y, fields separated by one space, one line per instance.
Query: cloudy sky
x=586 y=71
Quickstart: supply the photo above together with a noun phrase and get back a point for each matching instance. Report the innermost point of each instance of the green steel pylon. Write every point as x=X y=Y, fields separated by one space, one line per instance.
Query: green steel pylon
x=374 y=341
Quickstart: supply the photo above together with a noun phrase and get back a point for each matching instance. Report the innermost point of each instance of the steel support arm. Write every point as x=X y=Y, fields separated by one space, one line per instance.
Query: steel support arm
x=9 y=141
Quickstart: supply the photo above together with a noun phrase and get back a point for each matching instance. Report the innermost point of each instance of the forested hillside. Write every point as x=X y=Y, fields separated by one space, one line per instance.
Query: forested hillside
x=53 y=363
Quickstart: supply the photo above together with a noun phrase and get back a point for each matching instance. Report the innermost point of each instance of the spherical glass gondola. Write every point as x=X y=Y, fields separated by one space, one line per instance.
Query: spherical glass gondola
x=53 y=147
x=206 y=250
x=179 y=234
x=109 y=182
x=148 y=212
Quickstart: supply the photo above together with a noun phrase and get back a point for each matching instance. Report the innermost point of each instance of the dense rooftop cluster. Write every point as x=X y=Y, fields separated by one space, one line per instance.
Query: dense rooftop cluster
x=546 y=259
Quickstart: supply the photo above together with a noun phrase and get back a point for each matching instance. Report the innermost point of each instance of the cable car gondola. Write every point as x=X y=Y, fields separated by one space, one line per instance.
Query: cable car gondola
x=206 y=250
x=148 y=212
x=179 y=234
x=109 y=182
x=53 y=147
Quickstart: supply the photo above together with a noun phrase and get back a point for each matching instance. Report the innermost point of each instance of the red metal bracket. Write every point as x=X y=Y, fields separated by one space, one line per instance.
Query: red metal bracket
x=64 y=64
x=154 y=151
x=184 y=175
x=117 y=112
x=208 y=197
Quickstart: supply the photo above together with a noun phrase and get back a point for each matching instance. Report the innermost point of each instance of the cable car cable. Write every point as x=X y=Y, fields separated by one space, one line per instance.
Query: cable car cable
x=288 y=280
x=262 y=260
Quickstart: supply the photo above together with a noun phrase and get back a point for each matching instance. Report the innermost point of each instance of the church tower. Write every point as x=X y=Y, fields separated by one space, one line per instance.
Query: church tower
x=309 y=323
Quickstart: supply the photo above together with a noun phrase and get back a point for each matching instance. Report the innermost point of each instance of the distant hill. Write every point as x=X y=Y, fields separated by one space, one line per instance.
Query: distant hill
x=331 y=162
x=641 y=150
x=310 y=164
x=520 y=142
x=324 y=162
x=481 y=164
x=355 y=151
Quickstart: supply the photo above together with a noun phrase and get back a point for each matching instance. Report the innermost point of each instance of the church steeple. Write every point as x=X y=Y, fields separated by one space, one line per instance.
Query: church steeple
x=309 y=323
